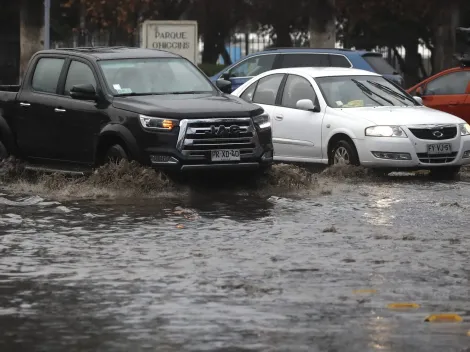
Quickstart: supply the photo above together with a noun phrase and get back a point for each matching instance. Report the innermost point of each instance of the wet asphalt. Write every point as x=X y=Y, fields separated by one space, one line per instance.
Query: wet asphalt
x=274 y=268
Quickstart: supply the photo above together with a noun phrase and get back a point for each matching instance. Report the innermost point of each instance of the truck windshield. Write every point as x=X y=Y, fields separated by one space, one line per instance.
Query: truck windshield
x=153 y=76
x=362 y=91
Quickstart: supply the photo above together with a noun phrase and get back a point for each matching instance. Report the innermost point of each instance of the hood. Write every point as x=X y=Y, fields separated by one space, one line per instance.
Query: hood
x=188 y=106
x=419 y=115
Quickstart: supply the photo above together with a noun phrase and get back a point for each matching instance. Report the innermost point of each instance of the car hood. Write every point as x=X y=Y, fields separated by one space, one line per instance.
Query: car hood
x=419 y=115
x=188 y=106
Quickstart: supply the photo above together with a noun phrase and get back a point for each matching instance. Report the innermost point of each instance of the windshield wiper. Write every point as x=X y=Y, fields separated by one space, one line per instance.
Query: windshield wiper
x=134 y=94
x=190 y=92
x=388 y=90
x=370 y=93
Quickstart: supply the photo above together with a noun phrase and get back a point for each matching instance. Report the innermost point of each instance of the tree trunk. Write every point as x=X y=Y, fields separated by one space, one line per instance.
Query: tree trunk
x=412 y=63
x=31 y=31
x=82 y=37
x=322 y=27
x=211 y=50
x=447 y=20
x=283 y=38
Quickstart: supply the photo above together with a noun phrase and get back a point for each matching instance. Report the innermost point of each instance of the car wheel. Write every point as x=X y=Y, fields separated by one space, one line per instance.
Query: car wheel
x=3 y=151
x=445 y=173
x=115 y=154
x=344 y=153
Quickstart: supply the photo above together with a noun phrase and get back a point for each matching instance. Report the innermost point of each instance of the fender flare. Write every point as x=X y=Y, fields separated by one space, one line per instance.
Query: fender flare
x=125 y=135
x=7 y=137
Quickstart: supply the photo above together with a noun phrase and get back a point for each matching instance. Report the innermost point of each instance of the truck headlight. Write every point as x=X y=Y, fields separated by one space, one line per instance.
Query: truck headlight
x=385 y=131
x=263 y=121
x=157 y=123
x=464 y=129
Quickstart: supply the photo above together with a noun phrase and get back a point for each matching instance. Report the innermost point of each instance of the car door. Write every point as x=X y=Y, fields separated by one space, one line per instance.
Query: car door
x=297 y=132
x=304 y=60
x=449 y=93
x=80 y=120
x=37 y=130
x=248 y=68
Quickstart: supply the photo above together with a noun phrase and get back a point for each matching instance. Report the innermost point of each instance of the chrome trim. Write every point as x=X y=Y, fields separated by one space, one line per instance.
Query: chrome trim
x=430 y=126
x=220 y=166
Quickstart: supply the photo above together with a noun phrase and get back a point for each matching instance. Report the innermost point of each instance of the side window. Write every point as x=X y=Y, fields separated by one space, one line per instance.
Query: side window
x=79 y=73
x=305 y=60
x=339 y=61
x=253 y=66
x=248 y=93
x=450 y=84
x=267 y=88
x=297 y=88
x=46 y=75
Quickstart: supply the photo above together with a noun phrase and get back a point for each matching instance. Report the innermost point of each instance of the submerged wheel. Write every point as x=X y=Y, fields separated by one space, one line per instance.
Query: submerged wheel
x=344 y=153
x=3 y=151
x=445 y=173
x=115 y=154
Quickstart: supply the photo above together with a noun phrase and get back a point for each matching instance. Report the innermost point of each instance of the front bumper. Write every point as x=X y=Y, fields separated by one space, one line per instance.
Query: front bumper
x=198 y=138
x=416 y=148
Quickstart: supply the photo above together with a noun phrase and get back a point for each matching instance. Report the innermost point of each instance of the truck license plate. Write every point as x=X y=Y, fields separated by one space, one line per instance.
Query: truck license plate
x=444 y=148
x=225 y=155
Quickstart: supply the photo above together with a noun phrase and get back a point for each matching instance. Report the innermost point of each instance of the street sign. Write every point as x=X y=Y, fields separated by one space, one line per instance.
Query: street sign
x=179 y=37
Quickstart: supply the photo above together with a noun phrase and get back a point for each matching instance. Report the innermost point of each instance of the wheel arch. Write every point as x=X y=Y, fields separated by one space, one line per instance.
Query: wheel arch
x=6 y=136
x=335 y=138
x=116 y=134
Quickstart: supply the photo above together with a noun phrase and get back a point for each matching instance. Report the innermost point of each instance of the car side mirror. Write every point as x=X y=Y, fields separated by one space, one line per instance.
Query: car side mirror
x=419 y=92
x=224 y=85
x=419 y=100
x=83 y=92
x=308 y=105
x=225 y=75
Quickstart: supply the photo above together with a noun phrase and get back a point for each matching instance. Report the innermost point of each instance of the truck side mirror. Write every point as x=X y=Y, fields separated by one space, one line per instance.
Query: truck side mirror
x=83 y=92
x=224 y=85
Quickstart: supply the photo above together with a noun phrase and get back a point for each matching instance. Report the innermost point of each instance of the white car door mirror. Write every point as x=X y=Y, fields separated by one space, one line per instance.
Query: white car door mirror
x=419 y=100
x=308 y=105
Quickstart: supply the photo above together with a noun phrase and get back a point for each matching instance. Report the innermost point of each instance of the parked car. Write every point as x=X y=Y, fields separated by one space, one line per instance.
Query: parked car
x=447 y=91
x=255 y=64
x=349 y=116
x=79 y=108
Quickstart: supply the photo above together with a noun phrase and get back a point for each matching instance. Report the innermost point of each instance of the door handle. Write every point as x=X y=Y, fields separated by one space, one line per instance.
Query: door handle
x=25 y=104
x=59 y=110
x=279 y=117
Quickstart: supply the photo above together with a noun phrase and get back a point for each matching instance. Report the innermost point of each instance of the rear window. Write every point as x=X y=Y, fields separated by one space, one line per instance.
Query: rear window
x=305 y=60
x=380 y=65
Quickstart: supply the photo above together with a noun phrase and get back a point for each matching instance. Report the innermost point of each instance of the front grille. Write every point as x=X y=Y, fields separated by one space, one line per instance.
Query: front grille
x=447 y=132
x=436 y=158
x=199 y=137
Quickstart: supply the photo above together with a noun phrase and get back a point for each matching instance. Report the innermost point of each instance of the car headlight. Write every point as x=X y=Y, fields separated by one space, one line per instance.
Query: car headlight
x=385 y=131
x=464 y=129
x=157 y=123
x=263 y=120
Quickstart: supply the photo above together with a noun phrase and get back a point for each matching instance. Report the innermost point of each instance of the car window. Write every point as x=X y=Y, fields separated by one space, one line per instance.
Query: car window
x=305 y=60
x=248 y=93
x=253 y=66
x=79 y=73
x=46 y=75
x=379 y=64
x=267 y=89
x=339 y=61
x=449 y=84
x=297 y=88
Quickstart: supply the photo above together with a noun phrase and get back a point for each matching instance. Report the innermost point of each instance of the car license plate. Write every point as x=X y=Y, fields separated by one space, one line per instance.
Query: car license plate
x=444 y=148
x=225 y=155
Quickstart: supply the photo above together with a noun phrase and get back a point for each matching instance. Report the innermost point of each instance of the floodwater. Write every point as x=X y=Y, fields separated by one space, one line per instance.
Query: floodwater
x=128 y=261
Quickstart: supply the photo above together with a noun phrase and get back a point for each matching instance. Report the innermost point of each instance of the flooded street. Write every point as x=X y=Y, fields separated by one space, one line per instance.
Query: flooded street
x=294 y=264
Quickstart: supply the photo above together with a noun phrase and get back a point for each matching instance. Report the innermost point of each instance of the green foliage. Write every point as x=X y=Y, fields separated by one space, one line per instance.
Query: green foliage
x=211 y=69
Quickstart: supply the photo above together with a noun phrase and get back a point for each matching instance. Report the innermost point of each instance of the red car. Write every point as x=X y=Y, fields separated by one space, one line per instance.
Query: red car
x=448 y=91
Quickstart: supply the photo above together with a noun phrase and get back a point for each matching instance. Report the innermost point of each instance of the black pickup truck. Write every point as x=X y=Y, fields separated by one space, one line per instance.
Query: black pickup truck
x=80 y=108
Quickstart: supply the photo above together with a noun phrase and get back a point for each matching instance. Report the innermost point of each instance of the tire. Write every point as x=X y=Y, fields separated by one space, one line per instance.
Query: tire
x=115 y=154
x=344 y=153
x=3 y=151
x=445 y=173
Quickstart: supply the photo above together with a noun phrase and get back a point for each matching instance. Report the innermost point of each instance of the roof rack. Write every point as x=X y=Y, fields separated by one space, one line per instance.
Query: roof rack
x=92 y=48
x=304 y=48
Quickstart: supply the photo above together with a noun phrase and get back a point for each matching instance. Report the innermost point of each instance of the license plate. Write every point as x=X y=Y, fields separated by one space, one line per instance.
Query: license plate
x=443 y=148
x=225 y=155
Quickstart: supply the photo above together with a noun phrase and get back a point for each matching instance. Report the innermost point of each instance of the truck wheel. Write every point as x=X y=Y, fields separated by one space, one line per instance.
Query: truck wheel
x=445 y=173
x=343 y=153
x=3 y=151
x=115 y=154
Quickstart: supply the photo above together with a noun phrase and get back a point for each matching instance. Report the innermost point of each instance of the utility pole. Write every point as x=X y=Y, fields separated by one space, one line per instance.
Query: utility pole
x=47 y=24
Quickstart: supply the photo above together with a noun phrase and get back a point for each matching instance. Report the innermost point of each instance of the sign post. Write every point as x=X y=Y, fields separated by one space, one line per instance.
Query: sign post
x=47 y=24
x=178 y=37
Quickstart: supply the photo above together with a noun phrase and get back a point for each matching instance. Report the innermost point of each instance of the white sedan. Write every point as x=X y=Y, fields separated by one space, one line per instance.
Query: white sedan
x=344 y=115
